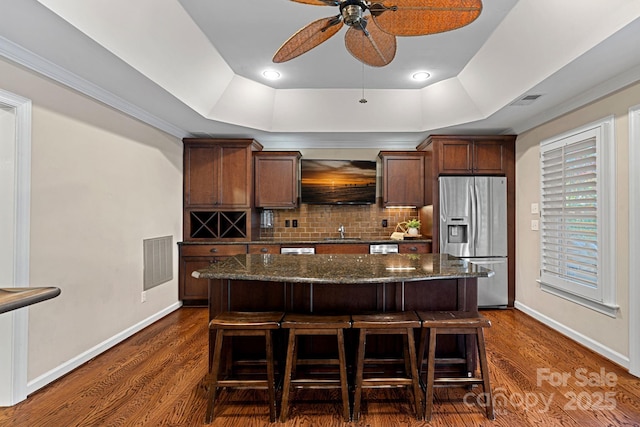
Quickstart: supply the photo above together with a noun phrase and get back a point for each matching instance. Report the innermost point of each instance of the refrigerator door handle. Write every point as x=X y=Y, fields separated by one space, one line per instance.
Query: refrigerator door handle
x=474 y=215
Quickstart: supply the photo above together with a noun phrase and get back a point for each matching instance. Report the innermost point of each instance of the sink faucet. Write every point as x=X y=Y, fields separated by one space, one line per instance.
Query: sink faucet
x=341 y=230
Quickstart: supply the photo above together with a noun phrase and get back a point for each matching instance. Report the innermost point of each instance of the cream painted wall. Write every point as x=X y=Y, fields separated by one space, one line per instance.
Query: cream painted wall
x=597 y=330
x=101 y=183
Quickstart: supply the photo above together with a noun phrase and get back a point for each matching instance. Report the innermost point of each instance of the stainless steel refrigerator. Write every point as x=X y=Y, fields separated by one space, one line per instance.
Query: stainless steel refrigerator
x=473 y=226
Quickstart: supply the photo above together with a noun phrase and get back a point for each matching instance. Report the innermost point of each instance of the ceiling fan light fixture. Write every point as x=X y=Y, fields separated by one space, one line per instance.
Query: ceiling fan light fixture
x=351 y=11
x=271 y=74
x=420 y=76
x=372 y=41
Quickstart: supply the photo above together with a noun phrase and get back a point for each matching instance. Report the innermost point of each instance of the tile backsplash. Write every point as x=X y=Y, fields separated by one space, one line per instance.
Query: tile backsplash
x=316 y=222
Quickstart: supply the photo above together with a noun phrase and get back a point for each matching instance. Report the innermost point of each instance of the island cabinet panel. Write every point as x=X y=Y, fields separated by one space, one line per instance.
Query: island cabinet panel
x=349 y=284
x=453 y=294
x=403 y=178
x=276 y=175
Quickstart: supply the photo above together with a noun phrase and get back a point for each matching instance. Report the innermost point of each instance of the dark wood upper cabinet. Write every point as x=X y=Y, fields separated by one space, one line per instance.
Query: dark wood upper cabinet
x=471 y=156
x=403 y=178
x=276 y=179
x=218 y=173
x=455 y=156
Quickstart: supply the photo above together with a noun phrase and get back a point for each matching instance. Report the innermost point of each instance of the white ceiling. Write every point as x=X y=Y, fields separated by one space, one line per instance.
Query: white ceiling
x=193 y=67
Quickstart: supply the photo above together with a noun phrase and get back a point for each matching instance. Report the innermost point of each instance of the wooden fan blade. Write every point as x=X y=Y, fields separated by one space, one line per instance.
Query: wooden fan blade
x=376 y=49
x=318 y=2
x=422 y=17
x=307 y=38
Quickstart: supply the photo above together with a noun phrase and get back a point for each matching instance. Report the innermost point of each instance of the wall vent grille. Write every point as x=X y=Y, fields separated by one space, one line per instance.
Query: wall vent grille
x=526 y=100
x=158 y=261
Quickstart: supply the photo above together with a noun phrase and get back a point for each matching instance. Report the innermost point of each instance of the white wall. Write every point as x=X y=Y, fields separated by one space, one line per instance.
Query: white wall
x=101 y=183
x=604 y=334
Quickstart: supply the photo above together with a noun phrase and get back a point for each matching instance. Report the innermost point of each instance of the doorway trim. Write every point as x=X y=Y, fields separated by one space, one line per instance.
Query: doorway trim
x=15 y=343
x=634 y=244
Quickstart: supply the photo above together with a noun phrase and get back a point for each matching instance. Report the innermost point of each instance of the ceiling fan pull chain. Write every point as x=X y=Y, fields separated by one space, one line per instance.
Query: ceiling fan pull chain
x=363 y=100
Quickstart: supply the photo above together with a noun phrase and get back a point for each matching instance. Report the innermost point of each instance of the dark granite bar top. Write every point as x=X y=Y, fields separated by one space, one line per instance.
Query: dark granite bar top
x=342 y=268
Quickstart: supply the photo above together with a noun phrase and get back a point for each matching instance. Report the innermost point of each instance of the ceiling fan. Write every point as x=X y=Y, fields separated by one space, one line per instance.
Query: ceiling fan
x=374 y=25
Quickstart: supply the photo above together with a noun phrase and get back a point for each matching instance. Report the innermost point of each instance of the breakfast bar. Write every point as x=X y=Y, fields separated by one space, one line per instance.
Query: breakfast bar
x=344 y=283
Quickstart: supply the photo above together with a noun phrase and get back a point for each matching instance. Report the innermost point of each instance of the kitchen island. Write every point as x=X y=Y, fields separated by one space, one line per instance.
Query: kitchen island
x=345 y=283
x=342 y=282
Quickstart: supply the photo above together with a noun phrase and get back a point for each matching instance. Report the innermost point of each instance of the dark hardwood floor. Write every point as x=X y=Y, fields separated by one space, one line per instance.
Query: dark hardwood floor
x=156 y=378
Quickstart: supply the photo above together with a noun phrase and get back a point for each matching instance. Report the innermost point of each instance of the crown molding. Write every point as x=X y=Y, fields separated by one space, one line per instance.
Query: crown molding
x=44 y=67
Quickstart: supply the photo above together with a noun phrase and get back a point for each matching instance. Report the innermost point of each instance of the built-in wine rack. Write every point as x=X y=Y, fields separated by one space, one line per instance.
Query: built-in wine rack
x=219 y=224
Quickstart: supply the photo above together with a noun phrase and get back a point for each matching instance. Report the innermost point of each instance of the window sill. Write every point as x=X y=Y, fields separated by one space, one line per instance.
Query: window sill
x=601 y=307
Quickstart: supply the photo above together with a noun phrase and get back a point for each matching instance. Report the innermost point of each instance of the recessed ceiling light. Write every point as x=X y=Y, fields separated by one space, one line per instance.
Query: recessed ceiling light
x=421 y=76
x=271 y=74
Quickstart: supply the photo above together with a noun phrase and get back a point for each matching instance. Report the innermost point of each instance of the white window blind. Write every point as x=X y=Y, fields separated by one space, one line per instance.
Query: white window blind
x=577 y=225
x=570 y=215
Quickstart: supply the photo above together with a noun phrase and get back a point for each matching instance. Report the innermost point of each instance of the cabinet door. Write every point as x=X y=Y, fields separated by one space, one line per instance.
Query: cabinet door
x=197 y=257
x=235 y=176
x=276 y=179
x=456 y=156
x=403 y=178
x=191 y=290
x=489 y=157
x=218 y=173
x=201 y=175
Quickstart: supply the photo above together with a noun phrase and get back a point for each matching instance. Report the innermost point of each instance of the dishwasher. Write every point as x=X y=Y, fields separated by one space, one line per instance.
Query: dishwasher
x=298 y=251
x=385 y=248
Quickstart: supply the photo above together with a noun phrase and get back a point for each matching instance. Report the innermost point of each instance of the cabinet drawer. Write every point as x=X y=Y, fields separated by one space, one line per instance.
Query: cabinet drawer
x=413 y=248
x=342 y=248
x=213 y=250
x=264 y=249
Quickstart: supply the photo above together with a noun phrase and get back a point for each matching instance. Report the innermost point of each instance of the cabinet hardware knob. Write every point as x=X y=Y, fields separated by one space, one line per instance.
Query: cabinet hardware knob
x=264 y=250
x=413 y=249
x=214 y=250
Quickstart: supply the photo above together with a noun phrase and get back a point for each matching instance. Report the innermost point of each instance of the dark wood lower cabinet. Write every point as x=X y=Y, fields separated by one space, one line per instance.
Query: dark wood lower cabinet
x=192 y=291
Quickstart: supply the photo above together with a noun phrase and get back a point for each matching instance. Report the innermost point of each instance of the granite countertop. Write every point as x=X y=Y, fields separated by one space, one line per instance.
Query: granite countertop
x=342 y=268
x=284 y=242
x=14 y=298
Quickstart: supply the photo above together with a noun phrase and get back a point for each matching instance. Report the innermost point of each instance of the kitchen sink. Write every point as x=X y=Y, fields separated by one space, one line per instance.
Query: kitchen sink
x=338 y=239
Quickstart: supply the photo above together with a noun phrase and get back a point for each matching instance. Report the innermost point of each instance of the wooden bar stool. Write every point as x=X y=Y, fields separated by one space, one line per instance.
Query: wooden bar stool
x=235 y=323
x=436 y=323
x=311 y=324
x=401 y=323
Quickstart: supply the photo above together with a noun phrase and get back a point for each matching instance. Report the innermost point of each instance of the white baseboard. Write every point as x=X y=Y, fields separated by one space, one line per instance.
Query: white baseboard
x=82 y=358
x=591 y=344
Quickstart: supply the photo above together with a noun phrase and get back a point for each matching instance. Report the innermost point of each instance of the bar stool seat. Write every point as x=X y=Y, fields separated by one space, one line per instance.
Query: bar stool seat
x=313 y=324
x=436 y=323
x=399 y=323
x=236 y=323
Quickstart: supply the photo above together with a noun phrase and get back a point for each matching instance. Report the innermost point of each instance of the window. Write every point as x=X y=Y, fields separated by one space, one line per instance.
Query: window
x=577 y=259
